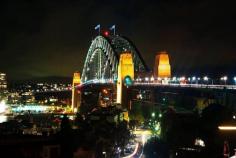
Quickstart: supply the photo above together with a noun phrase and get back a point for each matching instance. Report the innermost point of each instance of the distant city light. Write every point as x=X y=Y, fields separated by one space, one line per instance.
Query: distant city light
x=30 y=108
x=3 y=106
x=199 y=142
x=157 y=127
x=104 y=91
x=3 y=118
x=75 y=110
x=193 y=78
x=153 y=114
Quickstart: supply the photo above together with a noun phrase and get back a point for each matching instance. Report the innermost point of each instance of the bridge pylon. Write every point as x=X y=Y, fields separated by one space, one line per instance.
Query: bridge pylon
x=76 y=94
x=125 y=77
x=162 y=68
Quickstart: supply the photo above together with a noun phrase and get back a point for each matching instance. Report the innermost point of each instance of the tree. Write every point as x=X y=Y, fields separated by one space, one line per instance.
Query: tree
x=156 y=148
x=213 y=116
x=66 y=137
x=136 y=113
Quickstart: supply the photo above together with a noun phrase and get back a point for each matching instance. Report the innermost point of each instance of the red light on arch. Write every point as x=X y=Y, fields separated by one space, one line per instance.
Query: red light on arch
x=106 y=33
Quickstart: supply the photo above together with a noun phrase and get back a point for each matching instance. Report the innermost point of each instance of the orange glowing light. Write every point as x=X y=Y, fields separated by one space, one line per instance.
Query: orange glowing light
x=104 y=91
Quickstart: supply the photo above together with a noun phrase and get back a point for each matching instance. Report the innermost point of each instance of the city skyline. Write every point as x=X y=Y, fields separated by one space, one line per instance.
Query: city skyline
x=44 y=38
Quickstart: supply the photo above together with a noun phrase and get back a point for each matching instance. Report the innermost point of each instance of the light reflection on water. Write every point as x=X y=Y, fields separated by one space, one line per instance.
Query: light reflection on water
x=3 y=118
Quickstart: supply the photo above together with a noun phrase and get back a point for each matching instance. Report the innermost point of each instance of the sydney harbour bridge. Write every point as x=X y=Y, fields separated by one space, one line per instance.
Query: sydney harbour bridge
x=114 y=59
x=103 y=58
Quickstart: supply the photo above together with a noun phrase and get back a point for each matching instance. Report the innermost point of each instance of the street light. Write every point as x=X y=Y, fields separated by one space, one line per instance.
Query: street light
x=104 y=153
x=189 y=79
x=153 y=114
x=198 y=79
x=205 y=78
x=235 y=80
x=224 y=78
x=152 y=78
x=182 y=80
x=174 y=79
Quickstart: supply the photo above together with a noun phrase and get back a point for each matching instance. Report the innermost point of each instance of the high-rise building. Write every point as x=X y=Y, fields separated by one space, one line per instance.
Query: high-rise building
x=3 y=82
x=3 y=86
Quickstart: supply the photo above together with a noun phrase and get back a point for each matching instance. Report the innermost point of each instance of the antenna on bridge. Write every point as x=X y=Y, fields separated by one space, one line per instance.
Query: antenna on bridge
x=113 y=27
x=98 y=27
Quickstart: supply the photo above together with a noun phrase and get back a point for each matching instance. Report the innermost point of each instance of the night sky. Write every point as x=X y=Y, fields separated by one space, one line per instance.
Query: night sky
x=41 y=38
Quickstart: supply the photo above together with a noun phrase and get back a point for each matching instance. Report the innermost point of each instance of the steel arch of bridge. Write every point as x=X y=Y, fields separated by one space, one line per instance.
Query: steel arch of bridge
x=102 y=59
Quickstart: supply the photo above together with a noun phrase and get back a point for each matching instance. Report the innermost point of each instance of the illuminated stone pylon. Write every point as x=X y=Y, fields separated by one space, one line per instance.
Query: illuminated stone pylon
x=162 y=68
x=125 y=69
x=76 y=95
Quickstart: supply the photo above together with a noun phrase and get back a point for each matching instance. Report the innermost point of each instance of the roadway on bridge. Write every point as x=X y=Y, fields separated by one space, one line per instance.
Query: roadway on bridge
x=211 y=86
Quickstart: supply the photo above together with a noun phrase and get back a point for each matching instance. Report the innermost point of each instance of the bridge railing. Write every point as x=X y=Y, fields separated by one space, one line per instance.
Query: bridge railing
x=212 y=86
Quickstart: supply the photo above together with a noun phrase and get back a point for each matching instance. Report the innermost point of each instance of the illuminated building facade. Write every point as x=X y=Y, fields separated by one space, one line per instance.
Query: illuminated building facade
x=125 y=71
x=3 y=81
x=3 y=86
x=76 y=95
x=162 y=68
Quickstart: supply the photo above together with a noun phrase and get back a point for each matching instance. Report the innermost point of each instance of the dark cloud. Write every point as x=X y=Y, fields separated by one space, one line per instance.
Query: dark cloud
x=51 y=38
